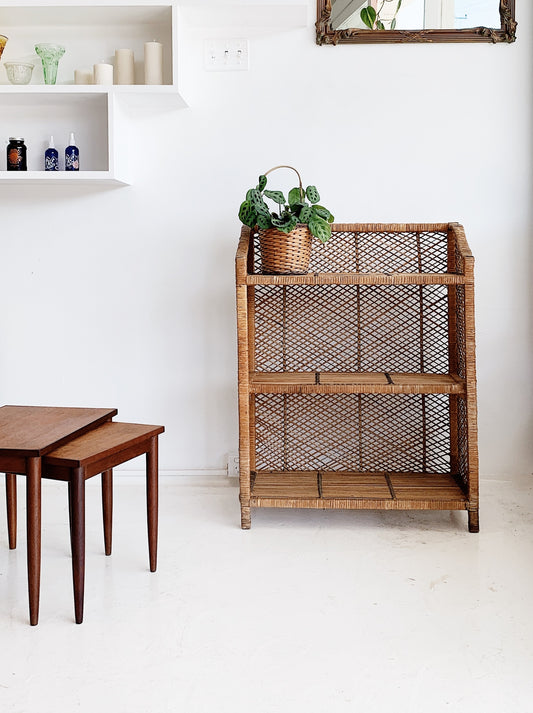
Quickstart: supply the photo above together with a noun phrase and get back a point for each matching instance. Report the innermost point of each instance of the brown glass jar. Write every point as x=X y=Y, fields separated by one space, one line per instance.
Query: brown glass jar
x=16 y=155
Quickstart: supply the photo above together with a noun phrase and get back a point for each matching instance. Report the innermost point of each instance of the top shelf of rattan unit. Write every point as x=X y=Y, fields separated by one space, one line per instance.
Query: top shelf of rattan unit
x=353 y=278
x=372 y=254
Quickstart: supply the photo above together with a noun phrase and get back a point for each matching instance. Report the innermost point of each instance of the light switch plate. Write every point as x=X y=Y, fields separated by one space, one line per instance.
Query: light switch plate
x=226 y=55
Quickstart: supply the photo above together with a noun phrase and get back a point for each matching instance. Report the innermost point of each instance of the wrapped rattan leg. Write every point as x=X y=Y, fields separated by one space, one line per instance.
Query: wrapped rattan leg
x=473 y=520
x=246 y=518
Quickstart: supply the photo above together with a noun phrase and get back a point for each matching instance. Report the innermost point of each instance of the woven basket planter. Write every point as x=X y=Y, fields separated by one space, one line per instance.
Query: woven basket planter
x=285 y=253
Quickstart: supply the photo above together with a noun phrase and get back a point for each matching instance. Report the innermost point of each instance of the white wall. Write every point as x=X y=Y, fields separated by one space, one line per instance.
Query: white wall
x=125 y=297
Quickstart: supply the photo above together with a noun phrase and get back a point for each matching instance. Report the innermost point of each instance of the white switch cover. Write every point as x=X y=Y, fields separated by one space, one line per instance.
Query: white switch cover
x=226 y=55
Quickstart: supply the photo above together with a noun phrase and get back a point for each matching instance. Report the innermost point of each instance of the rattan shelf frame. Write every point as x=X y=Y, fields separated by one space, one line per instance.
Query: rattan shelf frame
x=386 y=312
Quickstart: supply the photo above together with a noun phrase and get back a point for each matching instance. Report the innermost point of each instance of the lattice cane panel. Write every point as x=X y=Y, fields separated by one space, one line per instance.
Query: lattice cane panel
x=384 y=252
x=460 y=328
x=462 y=441
x=395 y=328
x=404 y=328
x=353 y=432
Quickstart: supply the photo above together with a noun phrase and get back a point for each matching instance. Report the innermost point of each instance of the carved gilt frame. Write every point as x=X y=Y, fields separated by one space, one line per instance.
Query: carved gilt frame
x=325 y=35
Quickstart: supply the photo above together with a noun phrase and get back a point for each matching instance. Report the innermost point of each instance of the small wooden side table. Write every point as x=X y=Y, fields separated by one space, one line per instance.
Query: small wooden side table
x=99 y=451
x=27 y=433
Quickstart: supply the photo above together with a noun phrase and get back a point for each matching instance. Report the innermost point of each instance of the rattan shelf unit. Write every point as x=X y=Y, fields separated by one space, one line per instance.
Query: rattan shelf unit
x=357 y=381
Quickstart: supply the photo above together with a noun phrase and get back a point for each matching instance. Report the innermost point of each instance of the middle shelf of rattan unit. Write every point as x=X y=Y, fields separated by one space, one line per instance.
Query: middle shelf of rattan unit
x=354 y=383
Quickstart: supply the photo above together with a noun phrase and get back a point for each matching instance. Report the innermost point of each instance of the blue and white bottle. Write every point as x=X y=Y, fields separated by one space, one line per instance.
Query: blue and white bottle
x=72 y=155
x=51 y=157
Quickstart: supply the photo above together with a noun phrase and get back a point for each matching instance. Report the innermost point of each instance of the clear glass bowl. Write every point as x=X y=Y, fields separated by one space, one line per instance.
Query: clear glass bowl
x=19 y=72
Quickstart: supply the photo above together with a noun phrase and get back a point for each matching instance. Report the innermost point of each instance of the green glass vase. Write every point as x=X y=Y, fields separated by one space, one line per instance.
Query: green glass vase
x=50 y=55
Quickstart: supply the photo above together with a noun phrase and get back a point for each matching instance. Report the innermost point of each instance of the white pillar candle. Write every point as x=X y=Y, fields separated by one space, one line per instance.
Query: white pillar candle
x=83 y=76
x=103 y=73
x=124 y=67
x=153 y=63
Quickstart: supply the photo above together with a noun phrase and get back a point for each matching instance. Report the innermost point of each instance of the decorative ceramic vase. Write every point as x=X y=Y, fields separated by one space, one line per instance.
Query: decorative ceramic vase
x=19 y=72
x=50 y=56
x=3 y=40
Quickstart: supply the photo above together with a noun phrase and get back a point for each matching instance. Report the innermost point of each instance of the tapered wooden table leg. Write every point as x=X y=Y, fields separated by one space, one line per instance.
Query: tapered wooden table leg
x=11 y=501
x=152 y=500
x=77 y=524
x=107 y=508
x=33 y=526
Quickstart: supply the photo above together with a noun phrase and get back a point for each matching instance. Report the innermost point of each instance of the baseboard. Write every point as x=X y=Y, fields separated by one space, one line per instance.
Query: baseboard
x=191 y=476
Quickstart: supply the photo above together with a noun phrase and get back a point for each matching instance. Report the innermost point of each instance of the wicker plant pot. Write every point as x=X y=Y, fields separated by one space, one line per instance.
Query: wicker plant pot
x=285 y=253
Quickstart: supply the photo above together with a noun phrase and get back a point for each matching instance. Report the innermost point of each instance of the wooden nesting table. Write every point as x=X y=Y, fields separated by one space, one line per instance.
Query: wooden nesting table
x=72 y=445
x=27 y=433
x=99 y=451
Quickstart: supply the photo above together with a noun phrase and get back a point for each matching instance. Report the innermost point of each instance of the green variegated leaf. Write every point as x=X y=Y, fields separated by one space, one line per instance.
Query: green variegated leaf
x=296 y=207
x=312 y=194
x=393 y=24
x=279 y=223
x=249 y=194
x=256 y=199
x=380 y=25
x=320 y=228
x=247 y=214
x=296 y=196
x=262 y=209
x=323 y=213
x=276 y=196
x=290 y=224
x=262 y=183
x=264 y=222
x=306 y=214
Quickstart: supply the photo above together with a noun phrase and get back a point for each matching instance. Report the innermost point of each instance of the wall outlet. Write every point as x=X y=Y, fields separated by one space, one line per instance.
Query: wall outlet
x=226 y=55
x=233 y=465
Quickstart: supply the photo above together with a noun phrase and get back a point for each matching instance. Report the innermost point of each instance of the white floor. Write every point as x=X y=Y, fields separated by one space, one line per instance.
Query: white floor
x=308 y=611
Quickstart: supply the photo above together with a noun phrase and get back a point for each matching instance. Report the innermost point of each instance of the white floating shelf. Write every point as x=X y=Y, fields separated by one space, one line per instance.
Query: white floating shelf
x=64 y=177
x=138 y=95
x=90 y=31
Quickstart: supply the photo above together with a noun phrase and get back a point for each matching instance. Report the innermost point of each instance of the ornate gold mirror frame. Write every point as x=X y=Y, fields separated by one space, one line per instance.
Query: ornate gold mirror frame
x=325 y=35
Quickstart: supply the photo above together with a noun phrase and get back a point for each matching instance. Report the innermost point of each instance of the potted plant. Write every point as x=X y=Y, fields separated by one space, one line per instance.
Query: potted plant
x=285 y=234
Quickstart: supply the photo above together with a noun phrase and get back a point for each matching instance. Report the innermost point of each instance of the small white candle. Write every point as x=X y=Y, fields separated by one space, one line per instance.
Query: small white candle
x=103 y=73
x=83 y=76
x=124 y=67
x=153 y=63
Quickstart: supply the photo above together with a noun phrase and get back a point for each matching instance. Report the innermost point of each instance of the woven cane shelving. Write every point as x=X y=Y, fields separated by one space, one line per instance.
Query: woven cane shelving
x=357 y=383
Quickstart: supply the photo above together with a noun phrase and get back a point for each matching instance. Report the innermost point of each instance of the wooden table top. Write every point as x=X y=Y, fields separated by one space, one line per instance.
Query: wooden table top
x=33 y=431
x=106 y=440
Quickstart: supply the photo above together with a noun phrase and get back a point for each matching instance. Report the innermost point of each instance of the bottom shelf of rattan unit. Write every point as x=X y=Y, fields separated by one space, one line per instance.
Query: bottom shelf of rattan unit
x=357 y=491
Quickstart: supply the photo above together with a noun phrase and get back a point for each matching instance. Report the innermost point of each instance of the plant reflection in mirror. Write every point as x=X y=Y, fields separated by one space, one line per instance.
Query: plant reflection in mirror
x=372 y=17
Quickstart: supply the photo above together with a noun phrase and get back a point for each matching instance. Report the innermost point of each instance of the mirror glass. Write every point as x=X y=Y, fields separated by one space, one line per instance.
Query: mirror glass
x=375 y=21
x=414 y=14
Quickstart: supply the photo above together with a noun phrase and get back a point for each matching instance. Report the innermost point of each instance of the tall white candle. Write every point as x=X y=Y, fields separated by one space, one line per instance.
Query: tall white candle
x=124 y=67
x=153 y=63
x=83 y=76
x=103 y=73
